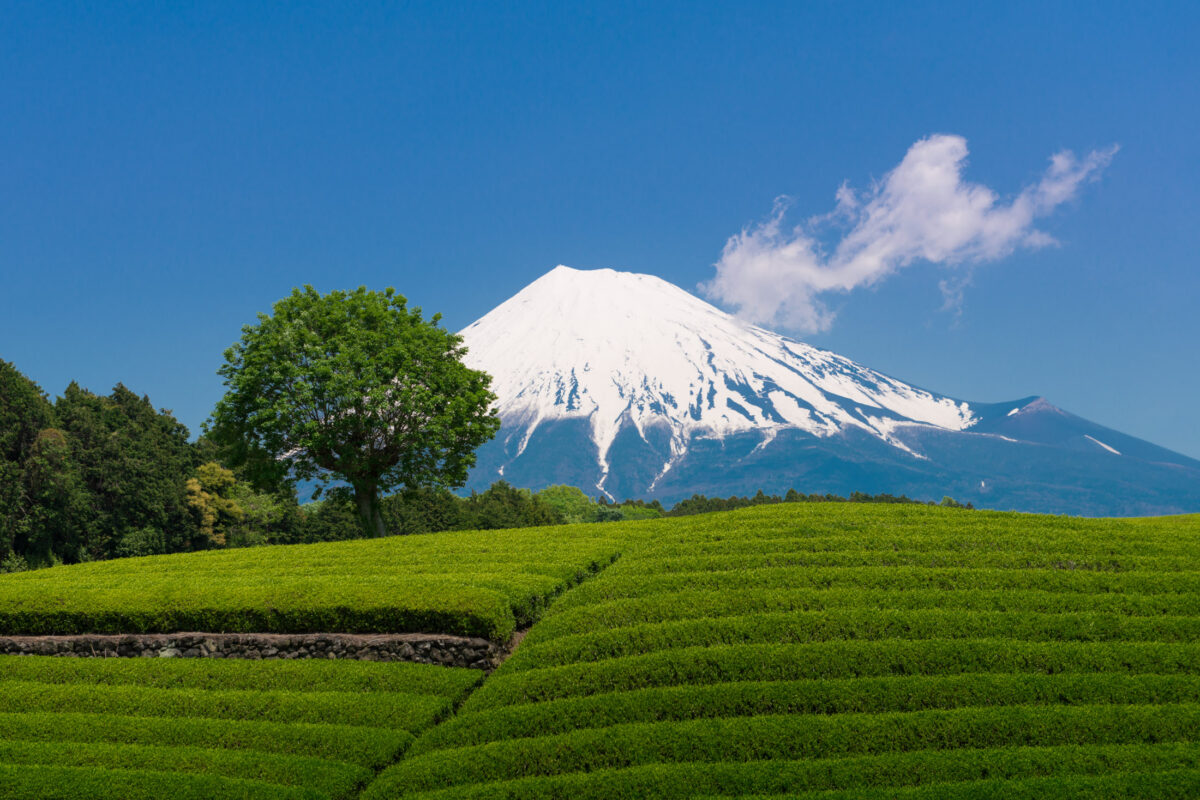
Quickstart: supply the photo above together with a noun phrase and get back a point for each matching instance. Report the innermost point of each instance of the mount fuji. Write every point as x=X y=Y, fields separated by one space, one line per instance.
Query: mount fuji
x=626 y=385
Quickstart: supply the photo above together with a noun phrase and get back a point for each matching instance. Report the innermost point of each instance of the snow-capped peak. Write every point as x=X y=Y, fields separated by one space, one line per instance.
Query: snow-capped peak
x=619 y=348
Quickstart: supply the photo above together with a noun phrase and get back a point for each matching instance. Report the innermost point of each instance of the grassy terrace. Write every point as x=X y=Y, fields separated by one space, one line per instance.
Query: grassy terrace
x=823 y=650
x=848 y=651
x=200 y=728
x=461 y=583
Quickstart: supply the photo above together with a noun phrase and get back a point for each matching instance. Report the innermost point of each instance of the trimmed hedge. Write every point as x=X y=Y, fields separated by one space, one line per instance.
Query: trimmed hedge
x=779 y=776
x=44 y=782
x=760 y=554
x=845 y=624
x=846 y=659
x=332 y=779
x=410 y=712
x=621 y=585
x=854 y=695
x=1173 y=785
x=366 y=747
x=301 y=675
x=563 y=620
x=797 y=737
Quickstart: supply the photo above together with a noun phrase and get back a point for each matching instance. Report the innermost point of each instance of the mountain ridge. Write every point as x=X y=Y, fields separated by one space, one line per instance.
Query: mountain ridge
x=624 y=384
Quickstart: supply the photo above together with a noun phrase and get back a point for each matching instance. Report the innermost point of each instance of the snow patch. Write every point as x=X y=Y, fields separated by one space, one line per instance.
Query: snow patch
x=1112 y=450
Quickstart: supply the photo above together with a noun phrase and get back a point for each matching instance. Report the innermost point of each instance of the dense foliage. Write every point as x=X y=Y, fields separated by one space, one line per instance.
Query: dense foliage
x=24 y=413
x=90 y=476
x=149 y=728
x=354 y=385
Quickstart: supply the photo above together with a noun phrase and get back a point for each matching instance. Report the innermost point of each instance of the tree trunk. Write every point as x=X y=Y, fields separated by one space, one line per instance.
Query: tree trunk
x=370 y=516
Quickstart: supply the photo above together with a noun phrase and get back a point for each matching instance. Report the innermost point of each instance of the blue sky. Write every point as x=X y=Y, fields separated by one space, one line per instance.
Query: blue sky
x=166 y=172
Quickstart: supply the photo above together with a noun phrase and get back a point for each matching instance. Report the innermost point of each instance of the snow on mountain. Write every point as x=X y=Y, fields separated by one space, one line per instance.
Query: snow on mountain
x=617 y=348
x=627 y=385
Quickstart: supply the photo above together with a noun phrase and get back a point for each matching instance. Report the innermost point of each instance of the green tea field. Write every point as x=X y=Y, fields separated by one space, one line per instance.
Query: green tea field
x=458 y=583
x=194 y=728
x=801 y=650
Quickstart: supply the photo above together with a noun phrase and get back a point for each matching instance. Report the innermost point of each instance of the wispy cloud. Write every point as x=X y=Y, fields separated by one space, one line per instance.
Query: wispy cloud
x=922 y=210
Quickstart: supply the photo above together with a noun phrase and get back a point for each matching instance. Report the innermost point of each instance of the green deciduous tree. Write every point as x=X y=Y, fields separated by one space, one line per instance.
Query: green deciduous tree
x=208 y=495
x=353 y=385
x=571 y=503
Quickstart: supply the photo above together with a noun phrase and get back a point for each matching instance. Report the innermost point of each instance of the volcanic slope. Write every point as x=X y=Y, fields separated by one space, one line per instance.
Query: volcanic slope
x=839 y=650
x=629 y=385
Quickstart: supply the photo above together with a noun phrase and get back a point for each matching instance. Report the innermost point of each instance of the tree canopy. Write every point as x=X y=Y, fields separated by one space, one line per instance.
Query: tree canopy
x=24 y=413
x=133 y=461
x=353 y=385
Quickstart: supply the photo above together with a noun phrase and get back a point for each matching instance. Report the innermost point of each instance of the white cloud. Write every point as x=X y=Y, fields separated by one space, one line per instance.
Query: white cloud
x=922 y=210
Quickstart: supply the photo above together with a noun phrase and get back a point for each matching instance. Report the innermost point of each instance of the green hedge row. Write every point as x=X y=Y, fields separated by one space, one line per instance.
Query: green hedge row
x=863 y=624
x=854 y=695
x=884 y=522
x=300 y=608
x=410 y=712
x=366 y=747
x=706 y=536
x=43 y=782
x=902 y=555
x=1173 y=785
x=302 y=675
x=331 y=779
x=798 y=737
x=780 y=776
x=843 y=659
x=619 y=585
x=690 y=604
x=940 y=531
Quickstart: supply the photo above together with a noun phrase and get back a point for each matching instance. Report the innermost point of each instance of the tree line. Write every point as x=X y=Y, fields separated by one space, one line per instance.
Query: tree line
x=86 y=477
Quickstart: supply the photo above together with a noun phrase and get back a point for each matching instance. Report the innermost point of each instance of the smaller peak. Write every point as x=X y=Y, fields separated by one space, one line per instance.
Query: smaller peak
x=1040 y=404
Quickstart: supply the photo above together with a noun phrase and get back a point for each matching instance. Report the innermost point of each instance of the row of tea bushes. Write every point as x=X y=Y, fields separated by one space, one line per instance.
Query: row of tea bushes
x=470 y=584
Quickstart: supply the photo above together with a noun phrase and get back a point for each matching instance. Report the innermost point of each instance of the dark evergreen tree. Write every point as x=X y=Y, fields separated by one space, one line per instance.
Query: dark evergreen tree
x=134 y=462
x=424 y=511
x=24 y=413
x=504 y=506
x=58 y=502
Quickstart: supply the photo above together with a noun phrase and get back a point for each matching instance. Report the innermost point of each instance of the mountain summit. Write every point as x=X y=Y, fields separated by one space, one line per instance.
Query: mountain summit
x=626 y=384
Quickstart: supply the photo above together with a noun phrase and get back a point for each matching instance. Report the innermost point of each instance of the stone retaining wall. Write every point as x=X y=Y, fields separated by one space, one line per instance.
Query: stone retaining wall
x=451 y=651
